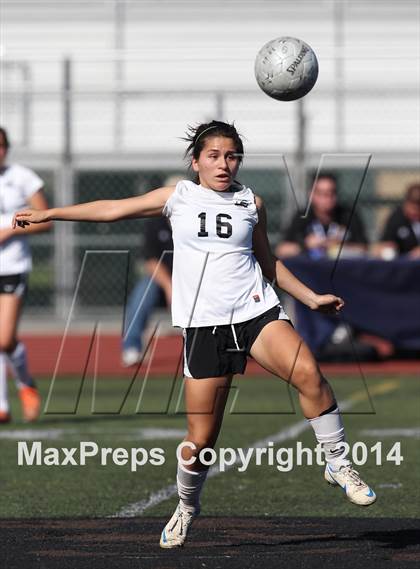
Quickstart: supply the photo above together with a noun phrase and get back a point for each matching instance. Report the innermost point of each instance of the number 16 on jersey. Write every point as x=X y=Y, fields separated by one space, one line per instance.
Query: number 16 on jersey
x=223 y=227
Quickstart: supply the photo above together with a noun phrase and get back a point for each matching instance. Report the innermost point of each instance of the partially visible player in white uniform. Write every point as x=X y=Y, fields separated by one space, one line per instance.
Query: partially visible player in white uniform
x=226 y=308
x=19 y=187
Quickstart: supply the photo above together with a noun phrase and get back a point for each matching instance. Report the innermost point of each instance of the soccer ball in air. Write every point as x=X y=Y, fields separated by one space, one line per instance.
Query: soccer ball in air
x=286 y=68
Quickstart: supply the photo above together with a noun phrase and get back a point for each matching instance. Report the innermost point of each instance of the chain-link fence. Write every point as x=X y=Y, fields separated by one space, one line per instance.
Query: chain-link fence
x=47 y=290
x=97 y=96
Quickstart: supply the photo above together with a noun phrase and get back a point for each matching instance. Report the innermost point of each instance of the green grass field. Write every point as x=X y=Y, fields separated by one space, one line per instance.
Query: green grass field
x=262 y=408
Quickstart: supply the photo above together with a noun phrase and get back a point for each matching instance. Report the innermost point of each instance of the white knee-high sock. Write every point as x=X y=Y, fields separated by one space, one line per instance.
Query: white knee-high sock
x=18 y=363
x=190 y=484
x=4 y=400
x=329 y=432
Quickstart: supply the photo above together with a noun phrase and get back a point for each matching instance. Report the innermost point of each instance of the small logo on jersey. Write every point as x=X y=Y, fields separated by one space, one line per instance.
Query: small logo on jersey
x=8 y=288
x=243 y=203
x=256 y=297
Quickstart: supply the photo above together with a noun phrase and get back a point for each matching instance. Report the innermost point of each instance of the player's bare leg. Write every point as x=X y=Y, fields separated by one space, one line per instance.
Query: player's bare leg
x=9 y=314
x=280 y=350
x=4 y=399
x=205 y=401
x=15 y=352
x=10 y=308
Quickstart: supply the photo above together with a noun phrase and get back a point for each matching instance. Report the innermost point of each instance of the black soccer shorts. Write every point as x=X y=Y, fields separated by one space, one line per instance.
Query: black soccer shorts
x=214 y=351
x=13 y=284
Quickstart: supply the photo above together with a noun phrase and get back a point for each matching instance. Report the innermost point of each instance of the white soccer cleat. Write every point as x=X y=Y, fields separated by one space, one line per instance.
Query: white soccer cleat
x=356 y=490
x=175 y=532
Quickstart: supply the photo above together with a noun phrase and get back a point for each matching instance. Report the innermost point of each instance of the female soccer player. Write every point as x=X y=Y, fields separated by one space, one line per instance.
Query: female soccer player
x=19 y=187
x=226 y=308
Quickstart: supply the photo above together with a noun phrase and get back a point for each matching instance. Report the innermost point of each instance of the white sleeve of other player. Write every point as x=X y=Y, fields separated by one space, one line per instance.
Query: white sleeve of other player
x=6 y=220
x=29 y=181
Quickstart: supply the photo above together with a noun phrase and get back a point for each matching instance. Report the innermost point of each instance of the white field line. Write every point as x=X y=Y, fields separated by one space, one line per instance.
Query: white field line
x=34 y=434
x=410 y=433
x=291 y=432
x=146 y=434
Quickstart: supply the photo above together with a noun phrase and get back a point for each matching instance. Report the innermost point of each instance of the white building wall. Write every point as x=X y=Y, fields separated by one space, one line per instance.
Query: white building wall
x=185 y=46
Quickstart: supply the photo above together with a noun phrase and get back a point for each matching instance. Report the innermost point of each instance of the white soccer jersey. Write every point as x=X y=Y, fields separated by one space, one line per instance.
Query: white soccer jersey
x=17 y=185
x=216 y=278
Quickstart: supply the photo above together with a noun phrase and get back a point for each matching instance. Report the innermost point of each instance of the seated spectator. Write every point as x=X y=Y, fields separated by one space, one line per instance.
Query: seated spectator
x=401 y=235
x=151 y=291
x=321 y=232
x=154 y=289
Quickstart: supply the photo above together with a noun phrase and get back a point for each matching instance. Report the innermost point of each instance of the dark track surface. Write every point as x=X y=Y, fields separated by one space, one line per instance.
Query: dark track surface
x=213 y=542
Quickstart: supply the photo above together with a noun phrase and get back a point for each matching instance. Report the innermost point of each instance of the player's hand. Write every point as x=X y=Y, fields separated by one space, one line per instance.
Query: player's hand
x=313 y=241
x=26 y=217
x=327 y=303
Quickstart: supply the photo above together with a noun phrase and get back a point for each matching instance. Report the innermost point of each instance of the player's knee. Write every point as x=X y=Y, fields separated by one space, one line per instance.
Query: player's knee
x=202 y=443
x=306 y=377
x=7 y=344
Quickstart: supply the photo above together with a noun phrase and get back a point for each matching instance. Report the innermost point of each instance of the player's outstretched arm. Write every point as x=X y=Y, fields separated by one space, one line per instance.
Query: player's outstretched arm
x=147 y=205
x=275 y=271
